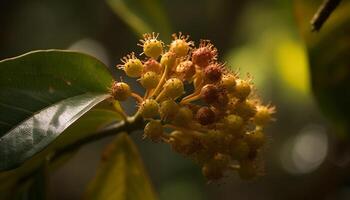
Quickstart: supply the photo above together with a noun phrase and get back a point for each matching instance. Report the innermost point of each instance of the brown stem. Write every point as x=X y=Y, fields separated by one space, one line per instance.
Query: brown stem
x=323 y=13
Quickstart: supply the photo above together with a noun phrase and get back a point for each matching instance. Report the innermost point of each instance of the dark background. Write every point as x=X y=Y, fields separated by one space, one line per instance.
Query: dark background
x=256 y=36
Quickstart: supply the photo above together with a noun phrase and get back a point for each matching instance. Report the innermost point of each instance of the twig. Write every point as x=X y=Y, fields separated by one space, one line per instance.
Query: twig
x=129 y=125
x=323 y=13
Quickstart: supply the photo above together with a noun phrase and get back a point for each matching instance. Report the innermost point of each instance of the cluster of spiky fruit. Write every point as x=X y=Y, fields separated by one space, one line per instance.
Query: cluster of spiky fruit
x=219 y=124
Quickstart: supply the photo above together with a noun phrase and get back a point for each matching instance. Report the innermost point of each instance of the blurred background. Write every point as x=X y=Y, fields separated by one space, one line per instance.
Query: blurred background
x=307 y=153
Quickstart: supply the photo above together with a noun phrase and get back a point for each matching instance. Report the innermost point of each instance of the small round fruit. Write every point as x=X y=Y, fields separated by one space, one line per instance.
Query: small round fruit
x=173 y=88
x=153 y=130
x=150 y=80
x=120 y=91
x=149 y=108
x=153 y=48
x=133 y=68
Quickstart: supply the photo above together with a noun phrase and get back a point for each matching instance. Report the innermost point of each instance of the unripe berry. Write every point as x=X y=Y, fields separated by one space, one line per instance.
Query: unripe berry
x=233 y=122
x=153 y=48
x=228 y=81
x=204 y=54
x=120 y=91
x=150 y=80
x=210 y=93
x=263 y=115
x=153 y=130
x=205 y=116
x=213 y=73
x=183 y=117
x=245 y=109
x=239 y=150
x=255 y=139
x=222 y=100
x=242 y=89
x=179 y=45
x=173 y=88
x=168 y=59
x=186 y=70
x=152 y=65
x=184 y=143
x=168 y=109
x=133 y=67
x=149 y=108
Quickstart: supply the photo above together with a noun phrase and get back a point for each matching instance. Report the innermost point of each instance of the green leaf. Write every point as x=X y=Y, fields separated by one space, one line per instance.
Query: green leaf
x=143 y=16
x=42 y=93
x=35 y=188
x=95 y=119
x=121 y=175
x=329 y=52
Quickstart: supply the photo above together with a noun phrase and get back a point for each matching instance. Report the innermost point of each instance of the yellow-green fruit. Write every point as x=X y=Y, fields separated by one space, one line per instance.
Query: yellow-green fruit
x=149 y=108
x=255 y=139
x=153 y=130
x=133 y=68
x=150 y=80
x=228 y=81
x=168 y=59
x=247 y=170
x=184 y=117
x=180 y=47
x=233 y=122
x=153 y=48
x=183 y=142
x=173 y=88
x=246 y=109
x=262 y=115
x=120 y=91
x=239 y=150
x=242 y=89
x=168 y=109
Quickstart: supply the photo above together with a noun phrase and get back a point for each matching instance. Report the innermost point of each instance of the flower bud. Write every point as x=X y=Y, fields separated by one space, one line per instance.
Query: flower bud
x=228 y=82
x=205 y=116
x=212 y=172
x=239 y=150
x=242 y=89
x=204 y=54
x=186 y=70
x=213 y=73
x=210 y=93
x=153 y=130
x=168 y=59
x=149 y=108
x=179 y=45
x=150 y=80
x=151 y=46
x=168 y=109
x=173 y=88
x=152 y=65
x=183 y=117
x=133 y=67
x=263 y=115
x=255 y=139
x=233 y=122
x=184 y=142
x=120 y=91
x=245 y=109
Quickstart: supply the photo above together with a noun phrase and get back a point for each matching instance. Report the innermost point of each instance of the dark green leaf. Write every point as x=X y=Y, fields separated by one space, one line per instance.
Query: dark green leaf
x=41 y=94
x=121 y=175
x=329 y=52
x=35 y=187
x=88 y=124
x=143 y=16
